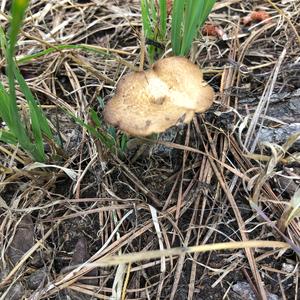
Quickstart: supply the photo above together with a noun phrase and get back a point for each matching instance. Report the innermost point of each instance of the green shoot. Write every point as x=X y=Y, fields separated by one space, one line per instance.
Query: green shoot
x=194 y=15
x=177 y=17
x=163 y=18
x=154 y=24
x=109 y=138
x=188 y=16
x=30 y=137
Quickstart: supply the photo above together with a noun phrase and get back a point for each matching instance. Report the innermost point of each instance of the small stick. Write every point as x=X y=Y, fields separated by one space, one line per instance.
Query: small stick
x=142 y=57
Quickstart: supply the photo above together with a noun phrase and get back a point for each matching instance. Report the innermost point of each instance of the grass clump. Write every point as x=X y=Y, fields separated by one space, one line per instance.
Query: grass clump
x=188 y=16
x=28 y=136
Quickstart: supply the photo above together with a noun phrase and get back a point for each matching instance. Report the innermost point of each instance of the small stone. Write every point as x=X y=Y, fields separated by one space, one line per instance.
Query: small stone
x=22 y=241
x=80 y=255
x=36 y=279
x=280 y=135
x=244 y=290
x=288 y=268
x=16 y=292
x=272 y=296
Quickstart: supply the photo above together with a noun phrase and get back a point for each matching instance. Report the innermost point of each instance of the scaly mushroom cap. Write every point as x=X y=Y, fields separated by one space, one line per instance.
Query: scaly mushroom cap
x=152 y=101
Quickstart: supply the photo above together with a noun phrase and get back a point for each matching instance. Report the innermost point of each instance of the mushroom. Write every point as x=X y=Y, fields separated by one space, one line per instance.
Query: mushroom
x=152 y=101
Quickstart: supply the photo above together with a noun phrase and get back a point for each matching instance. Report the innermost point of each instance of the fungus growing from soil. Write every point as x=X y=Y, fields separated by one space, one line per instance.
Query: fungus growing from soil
x=258 y=16
x=214 y=30
x=154 y=100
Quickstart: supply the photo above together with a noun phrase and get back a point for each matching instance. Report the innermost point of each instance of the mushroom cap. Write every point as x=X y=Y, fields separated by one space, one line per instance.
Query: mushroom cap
x=152 y=101
x=183 y=76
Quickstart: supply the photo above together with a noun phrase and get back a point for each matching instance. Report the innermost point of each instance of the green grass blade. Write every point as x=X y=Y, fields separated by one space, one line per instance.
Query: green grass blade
x=153 y=12
x=110 y=139
x=163 y=18
x=4 y=104
x=95 y=118
x=193 y=13
x=106 y=139
x=123 y=142
x=37 y=134
x=208 y=5
x=17 y=13
x=38 y=121
x=3 y=43
x=7 y=137
x=16 y=127
x=61 y=47
x=5 y=111
x=176 y=26
x=147 y=28
x=33 y=105
x=146 y=19
x=196 y=14
x=9 y=111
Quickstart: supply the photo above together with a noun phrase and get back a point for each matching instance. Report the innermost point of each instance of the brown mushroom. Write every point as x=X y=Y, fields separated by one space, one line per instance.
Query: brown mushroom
x=152 y=101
